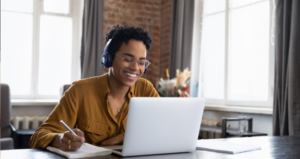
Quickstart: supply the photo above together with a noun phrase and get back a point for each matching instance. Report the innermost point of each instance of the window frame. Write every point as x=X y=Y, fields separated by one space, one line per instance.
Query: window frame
x=75 y=12
x=199 y=58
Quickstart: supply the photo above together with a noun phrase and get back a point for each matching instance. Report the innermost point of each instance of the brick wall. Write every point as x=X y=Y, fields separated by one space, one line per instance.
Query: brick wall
x=165 y=41
x=155 y=17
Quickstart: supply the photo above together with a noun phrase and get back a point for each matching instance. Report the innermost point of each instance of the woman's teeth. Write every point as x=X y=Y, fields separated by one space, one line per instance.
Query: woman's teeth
x=131 y=75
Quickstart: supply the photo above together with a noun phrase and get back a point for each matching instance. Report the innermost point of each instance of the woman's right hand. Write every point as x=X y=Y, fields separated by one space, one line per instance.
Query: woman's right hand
x=68 y=141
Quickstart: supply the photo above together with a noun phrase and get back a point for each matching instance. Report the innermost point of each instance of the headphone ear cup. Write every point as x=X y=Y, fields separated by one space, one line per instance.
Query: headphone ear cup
x=106 y=59
x=109 y=60
x=103 y=60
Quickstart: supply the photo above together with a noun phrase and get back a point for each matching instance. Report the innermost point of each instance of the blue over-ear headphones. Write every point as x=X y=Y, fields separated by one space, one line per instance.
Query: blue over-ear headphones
x=106 y=59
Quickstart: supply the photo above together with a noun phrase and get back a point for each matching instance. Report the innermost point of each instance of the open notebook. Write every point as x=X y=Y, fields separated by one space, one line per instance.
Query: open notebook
x=86 y=150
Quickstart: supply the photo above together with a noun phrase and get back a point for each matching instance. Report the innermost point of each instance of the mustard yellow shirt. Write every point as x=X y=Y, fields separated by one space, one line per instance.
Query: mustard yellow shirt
x=85 y=106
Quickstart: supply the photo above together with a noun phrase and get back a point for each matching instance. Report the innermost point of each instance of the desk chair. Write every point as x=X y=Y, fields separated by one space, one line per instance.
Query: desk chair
x=10 y=137
x=22 y=137
x=63 y=89
x=234 y=133
x=6 y=133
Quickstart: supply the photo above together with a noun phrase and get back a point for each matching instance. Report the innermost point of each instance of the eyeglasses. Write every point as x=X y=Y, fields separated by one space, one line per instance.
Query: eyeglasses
x=143 y=63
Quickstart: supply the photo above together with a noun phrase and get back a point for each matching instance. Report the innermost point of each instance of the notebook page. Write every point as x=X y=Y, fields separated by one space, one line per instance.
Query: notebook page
x=86 y=150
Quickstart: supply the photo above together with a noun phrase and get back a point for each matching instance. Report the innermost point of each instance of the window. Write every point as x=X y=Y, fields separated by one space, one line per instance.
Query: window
x=40 y=46
x=236 y=53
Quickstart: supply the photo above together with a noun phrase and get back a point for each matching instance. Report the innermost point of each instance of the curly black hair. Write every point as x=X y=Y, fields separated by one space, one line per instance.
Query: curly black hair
x=120 y=34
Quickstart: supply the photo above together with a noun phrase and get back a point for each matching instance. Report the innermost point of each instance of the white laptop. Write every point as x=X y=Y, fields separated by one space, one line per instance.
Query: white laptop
x=161 y=125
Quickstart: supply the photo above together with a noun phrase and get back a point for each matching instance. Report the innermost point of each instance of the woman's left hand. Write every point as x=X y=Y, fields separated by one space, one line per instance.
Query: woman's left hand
x=116 y=140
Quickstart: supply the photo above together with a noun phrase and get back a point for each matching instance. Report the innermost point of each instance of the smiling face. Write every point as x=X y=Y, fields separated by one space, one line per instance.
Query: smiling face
x=127 y=76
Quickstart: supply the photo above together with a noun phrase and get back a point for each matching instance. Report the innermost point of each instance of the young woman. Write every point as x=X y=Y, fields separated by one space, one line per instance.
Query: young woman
x=97 y=107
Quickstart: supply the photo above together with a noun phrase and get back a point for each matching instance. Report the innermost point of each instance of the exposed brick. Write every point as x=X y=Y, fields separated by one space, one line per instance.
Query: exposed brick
x=155 y=17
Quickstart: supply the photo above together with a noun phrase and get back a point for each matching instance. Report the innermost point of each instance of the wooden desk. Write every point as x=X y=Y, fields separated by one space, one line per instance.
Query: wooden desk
x=272 y=147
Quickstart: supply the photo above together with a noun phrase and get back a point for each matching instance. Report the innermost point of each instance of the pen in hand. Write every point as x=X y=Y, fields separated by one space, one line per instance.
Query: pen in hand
x=66 y=126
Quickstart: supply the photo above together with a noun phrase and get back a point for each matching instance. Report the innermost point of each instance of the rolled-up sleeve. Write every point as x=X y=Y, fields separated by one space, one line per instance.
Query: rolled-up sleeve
x=65 y=110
